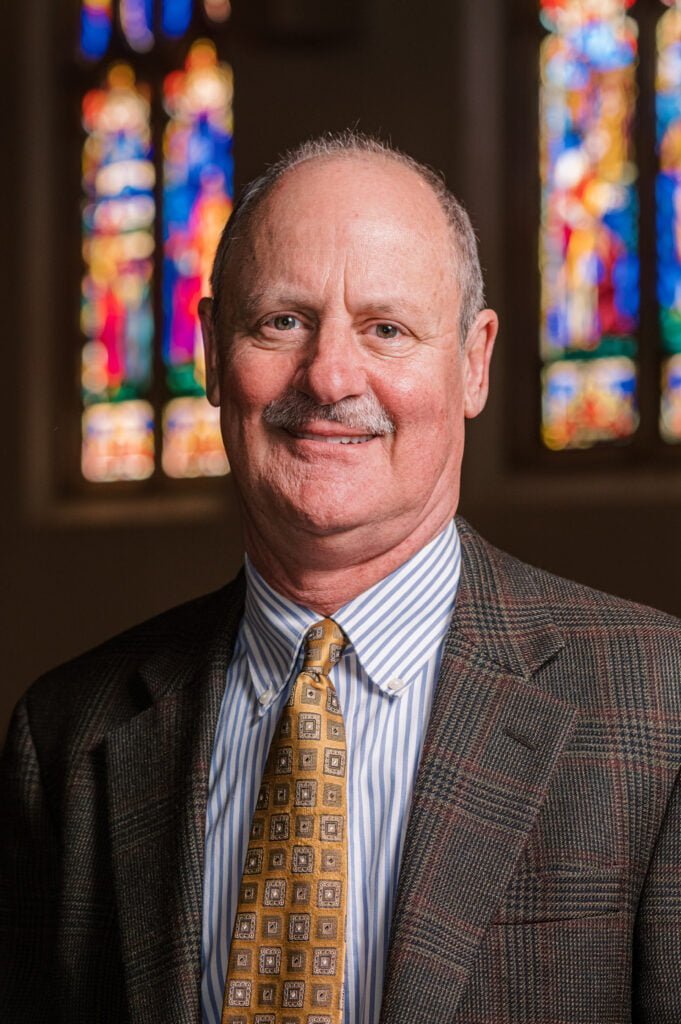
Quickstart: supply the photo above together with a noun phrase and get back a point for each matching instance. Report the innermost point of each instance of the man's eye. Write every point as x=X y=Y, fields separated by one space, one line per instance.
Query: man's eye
x=387 y=331
x=285 y=322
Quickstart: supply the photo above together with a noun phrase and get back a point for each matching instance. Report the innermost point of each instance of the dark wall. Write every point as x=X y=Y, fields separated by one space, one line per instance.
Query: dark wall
x=432 y=79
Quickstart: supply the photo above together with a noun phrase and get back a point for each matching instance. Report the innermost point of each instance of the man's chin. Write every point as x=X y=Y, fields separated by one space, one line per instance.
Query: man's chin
x=325 y=515
x=327 y=521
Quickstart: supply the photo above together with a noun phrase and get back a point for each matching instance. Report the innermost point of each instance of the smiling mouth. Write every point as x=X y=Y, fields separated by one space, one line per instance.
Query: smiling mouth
x=334 y=439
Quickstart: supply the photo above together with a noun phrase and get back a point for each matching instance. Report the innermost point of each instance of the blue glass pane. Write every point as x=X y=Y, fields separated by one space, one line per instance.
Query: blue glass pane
x=95 y=28
x=137 y=23
x=177 y=15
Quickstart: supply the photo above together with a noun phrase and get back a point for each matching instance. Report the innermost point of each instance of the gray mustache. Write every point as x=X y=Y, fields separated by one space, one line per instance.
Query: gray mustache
x=294 y=410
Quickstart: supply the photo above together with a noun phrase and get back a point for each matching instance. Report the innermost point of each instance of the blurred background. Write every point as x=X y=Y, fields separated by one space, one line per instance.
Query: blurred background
x=130 y=123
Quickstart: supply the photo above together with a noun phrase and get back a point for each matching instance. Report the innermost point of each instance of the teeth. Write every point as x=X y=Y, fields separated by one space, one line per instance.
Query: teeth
x=336 y=440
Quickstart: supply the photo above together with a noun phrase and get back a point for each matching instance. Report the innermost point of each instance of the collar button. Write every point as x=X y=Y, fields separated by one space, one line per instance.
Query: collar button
x=395 y=685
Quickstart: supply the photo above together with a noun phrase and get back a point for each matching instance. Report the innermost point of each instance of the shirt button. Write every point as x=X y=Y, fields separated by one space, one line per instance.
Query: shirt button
x=265 y=697
x=395 y=685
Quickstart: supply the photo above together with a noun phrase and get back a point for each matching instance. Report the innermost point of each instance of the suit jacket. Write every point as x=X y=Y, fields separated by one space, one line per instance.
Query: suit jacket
x=541 y=874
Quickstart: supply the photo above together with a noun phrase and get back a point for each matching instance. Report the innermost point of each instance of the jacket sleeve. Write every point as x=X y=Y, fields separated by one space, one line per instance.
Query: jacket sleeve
x=657 y=930
x=29 y=884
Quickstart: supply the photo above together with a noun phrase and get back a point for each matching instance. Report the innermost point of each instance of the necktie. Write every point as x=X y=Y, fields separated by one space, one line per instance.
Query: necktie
x=287 y=957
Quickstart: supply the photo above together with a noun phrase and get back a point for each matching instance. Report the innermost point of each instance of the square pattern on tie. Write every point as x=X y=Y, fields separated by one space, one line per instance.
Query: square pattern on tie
x=287 y=958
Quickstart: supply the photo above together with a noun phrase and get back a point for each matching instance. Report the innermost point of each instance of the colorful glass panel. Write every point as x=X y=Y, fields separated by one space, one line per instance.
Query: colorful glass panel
x=137 y=23
x=198 y=189
x=589 y=225
x=95 y=28
x=217 y=10
x=118 y=247
x=668 y=197
x=118 y=441
x=176 y=16
x=588 y=400
x=670 y=407
x=192 y=444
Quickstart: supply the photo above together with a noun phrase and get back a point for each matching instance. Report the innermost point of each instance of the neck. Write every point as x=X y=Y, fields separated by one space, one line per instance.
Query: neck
x=332 y=570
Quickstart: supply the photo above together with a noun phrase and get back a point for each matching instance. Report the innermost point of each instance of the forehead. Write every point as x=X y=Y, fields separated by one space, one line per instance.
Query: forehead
x=351 y=181
x=366 y=218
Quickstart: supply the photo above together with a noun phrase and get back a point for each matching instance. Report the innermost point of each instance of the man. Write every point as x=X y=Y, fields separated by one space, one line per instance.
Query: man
x=507 y=743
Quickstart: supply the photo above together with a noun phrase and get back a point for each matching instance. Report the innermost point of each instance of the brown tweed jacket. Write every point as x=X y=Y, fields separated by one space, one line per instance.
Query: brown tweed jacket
x=541 y=877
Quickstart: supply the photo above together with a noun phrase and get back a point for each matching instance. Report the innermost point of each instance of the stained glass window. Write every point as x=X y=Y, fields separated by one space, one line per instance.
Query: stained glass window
x=668 y=197
x=116 y=313
x=137 y=422
x=198 y=184
x=589 y=223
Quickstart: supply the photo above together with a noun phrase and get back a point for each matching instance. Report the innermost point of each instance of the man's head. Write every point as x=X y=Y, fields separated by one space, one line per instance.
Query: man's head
x=352 y=143
x=336 y=353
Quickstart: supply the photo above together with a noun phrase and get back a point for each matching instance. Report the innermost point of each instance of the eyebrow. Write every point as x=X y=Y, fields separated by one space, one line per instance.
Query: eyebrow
x=391 y=309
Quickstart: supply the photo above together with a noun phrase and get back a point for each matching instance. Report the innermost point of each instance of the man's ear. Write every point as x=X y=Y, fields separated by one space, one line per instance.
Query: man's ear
x=210 y=347
x=477 y=357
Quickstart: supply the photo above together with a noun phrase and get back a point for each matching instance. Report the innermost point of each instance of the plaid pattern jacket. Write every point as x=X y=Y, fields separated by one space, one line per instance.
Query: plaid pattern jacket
x=541 y=876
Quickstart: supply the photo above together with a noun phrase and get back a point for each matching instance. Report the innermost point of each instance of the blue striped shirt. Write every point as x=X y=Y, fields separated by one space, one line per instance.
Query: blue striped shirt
x=385 y=683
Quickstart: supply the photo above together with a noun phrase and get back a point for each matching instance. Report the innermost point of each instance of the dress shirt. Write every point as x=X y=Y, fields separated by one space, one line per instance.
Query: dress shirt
x=385 y=683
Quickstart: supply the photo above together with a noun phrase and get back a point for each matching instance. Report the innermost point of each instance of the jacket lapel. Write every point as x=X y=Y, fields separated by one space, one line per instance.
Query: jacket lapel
x=157 y=781
x=491 y=748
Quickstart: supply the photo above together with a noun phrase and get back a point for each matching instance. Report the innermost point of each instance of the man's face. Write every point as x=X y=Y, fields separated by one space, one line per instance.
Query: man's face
x=345 y=291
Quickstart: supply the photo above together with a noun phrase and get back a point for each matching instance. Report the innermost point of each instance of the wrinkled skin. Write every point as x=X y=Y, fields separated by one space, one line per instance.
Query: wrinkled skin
x=345 y=285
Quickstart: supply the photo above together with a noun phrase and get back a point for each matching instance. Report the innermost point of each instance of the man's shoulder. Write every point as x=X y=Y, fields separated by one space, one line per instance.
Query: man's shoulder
x=567 y=601
x=570 y=628
x=81 y=699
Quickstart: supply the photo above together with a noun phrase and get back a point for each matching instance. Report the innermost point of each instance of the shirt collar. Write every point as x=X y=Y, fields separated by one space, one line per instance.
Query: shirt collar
x=397 y=625
x=273 y=631
x=394 y=626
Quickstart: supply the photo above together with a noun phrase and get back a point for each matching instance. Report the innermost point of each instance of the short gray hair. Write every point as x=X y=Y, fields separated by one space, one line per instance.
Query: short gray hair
x=354 y=143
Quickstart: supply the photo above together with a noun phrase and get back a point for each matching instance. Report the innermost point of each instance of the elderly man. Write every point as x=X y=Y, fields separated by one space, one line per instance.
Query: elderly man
x=388 y=773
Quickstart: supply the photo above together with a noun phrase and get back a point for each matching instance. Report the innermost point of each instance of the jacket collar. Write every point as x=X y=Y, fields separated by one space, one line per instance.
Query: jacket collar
x=193 y=641
x=499 y=610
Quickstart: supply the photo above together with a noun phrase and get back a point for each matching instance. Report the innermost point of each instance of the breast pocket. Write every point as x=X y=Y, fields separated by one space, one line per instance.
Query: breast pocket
x=575 y=861
x=564 y=892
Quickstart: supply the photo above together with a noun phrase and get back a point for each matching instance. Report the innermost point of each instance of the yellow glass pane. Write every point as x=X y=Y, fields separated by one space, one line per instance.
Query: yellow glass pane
x=586 y=402
x=192 y=444
x=670 y=406
x=118 y=441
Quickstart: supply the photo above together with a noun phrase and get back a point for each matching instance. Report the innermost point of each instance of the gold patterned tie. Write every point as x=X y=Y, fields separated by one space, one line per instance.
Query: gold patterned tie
x=287 y=958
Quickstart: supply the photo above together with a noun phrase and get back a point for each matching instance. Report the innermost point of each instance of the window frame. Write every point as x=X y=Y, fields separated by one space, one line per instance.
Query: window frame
x=74 y=75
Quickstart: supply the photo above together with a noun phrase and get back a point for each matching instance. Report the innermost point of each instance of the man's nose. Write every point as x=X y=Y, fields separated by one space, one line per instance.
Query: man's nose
x=333 y=366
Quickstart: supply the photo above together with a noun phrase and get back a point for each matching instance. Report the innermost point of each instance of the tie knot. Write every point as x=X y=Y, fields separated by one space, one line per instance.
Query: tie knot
x=324 y=643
